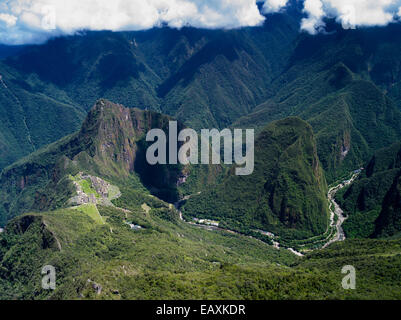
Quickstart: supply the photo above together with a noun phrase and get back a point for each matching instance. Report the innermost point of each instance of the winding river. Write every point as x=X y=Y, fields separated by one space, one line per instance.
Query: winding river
x=337 y=212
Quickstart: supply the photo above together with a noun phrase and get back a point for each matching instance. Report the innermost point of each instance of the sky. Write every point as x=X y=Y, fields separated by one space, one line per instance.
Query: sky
x=34 y=21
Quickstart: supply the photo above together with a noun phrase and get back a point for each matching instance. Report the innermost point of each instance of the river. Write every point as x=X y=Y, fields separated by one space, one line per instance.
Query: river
x=339 y=235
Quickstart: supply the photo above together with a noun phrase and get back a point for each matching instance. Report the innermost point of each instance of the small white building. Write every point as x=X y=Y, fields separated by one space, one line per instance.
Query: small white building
x=135 y=227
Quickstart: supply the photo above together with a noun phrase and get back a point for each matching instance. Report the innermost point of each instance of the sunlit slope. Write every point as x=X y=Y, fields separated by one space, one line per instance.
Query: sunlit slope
x=285 y=194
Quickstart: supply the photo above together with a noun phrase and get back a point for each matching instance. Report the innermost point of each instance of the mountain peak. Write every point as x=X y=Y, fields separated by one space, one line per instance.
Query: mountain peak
x=105 y=111
x=286 y=191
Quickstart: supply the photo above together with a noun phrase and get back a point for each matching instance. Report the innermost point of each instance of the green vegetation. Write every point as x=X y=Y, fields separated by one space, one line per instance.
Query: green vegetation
x=169 y=259
x=111 y=144
x=388 y=223
x=377 y=264
x=205 y=78
x=322 y=106
x=346 y=88
x=91 y=211
x=94 y=247
x=32 y=116
x=285 y=195
x=371 y=201
x=351 y=117
x=120 y=258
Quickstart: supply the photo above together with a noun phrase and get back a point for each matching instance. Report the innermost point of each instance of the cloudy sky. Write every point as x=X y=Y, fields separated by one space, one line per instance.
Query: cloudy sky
x=33 y=21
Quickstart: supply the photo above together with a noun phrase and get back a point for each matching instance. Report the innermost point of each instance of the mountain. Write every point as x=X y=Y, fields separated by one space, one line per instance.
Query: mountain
x=97 y=255
x=345 y=83
x=8 y=50
x=371 y=201
x=388 y=224
x=93 y=263
x=31 y=118
x=88 y=206
x=330 y=82
x=84 y=208
x=286 y=194
x=111 y=144
x=205 y=78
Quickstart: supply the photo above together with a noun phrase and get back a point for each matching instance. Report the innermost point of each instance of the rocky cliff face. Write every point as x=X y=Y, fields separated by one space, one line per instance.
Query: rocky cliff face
x=388 y=223
x=371 y=201
x=286 y=192
x=110 y=131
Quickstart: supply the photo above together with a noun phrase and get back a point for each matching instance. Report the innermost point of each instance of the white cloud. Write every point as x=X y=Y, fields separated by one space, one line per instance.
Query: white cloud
x=314 y=9
x=24 y=18
x=273 y=5
x=32 y=21
x=8 y=19
x=351 y=13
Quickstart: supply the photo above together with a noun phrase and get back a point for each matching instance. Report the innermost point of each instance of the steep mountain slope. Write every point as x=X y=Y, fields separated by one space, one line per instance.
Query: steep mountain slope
x=110 y=144
x=211 y=78
x=371 y=201
x=388 y=224
x=90 y=66
x=286 y=194
x=326 y=84
x=110 y=260
x=341 y=82
x=168 y=259
x=219 y=73
x=110 y=238
x=31 y=117
x=230 y=74
x=205 y=78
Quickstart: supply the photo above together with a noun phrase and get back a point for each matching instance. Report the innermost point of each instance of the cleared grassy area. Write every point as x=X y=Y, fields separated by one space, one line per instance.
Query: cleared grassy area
x=87 y=187
x=90 y=210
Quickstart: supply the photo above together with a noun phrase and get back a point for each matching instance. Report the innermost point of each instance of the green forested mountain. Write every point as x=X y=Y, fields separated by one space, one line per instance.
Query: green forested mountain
x=98 y=256
x=32 y=117
x=214 y=78
x=76 y=191
x=388 y=224
x=110 y=144
x=172 y=260
x=330 y=84
x=127 y=244
x=286 y=193
x=371 y=202
x=88 y=212
x=205 y=78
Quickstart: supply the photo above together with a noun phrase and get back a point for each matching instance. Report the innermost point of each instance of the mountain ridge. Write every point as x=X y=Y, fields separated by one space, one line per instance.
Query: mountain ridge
x=286 y=193
x=110 y=144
